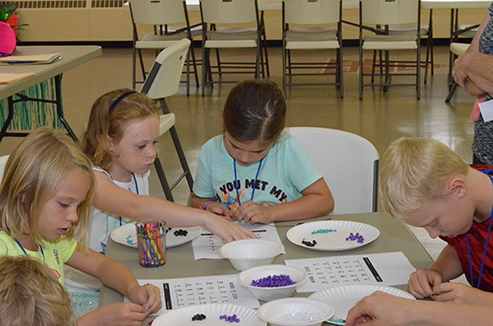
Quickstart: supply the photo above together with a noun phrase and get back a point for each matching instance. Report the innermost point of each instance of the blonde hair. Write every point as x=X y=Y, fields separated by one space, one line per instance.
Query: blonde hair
x=104 y=124
x=35 y=172
x=416 y=171
x=31 y=294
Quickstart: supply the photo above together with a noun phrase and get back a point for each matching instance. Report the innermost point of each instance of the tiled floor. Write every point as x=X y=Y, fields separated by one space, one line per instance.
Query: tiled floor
x=380 y=117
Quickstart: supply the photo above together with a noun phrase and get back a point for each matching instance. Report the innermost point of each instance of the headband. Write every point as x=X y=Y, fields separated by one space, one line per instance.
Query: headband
x=119 y=99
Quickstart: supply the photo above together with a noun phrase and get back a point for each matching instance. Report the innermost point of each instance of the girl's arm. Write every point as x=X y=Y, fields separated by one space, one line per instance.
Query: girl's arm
x=117 y=201
x=212 y=205
x=113 y=274
x=317 y=201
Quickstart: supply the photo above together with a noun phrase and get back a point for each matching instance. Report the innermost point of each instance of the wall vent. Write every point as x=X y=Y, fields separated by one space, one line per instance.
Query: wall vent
x=65 y=4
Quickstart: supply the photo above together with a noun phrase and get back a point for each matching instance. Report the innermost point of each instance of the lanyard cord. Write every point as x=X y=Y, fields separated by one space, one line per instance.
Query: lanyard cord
x=25 y=252
x=136 y=190
x=254 y=183
x=485 y=247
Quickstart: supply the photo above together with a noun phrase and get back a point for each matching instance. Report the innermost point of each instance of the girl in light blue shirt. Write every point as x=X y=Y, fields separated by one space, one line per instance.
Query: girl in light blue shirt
x=255 y=172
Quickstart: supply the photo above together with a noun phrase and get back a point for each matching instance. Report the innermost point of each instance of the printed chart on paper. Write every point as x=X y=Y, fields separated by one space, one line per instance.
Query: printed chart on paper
x=378 y=269
x=183 y=292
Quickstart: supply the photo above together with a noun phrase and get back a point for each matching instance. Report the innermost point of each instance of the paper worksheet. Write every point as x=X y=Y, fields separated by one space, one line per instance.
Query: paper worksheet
x=183 y=292
x=206 y=246
x=373 y=269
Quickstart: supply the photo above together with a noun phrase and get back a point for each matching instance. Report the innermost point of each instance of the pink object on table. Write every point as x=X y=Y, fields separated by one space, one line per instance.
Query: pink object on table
x=7 y=39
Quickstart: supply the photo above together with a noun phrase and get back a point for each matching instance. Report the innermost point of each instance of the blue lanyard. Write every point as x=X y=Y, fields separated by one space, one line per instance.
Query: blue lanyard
x=254 y=183
x=136 y=190
x=485 y=247
x=25 y=252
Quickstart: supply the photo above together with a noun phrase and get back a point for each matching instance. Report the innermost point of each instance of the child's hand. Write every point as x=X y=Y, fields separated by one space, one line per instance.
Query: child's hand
x=219 y=209
x=148 y=296
x=226 y=230
x=461 y=293
x=424 y=283
x=118 y=314
x=252 y=213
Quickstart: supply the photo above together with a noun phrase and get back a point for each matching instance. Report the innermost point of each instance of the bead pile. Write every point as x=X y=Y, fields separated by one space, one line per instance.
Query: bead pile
x=231 y=319
x=309 y=243
x=273 y=281
x=180 y=232
x=323 y=231
x=198 y=317
x=291 y=317
x=355 y=237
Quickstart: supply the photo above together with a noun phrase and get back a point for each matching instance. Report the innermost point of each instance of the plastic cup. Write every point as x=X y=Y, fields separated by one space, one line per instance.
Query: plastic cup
x=151 y=239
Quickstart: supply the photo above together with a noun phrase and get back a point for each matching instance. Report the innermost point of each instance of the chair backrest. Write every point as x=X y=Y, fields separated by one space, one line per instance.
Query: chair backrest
x=3 y=163
x=349 y=164
x=157 y=12
x=228 y=11
x=164 y=78
x=314 y=12
x=385 y=12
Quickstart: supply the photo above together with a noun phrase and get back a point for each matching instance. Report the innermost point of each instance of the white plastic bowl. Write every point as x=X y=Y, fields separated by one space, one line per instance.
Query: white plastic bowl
x=248 y=253
x=295 y=312
x=245 y=279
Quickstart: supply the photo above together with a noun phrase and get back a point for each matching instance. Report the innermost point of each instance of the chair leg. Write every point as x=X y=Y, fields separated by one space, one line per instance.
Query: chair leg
x=163 y=180
x=188 y=71
x=284 y=86
x=142 y=68
x=194 y=63
x=183 y=160
x=179 y=151
x=451 y=92
x=134 y=66
x=360 y=73
x=204 y=70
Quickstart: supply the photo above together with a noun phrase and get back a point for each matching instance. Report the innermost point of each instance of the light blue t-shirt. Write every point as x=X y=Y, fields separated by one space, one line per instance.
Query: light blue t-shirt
x=286 y=171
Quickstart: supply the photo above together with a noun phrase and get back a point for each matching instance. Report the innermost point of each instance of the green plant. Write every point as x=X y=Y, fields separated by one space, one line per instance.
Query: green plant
x=7 y=10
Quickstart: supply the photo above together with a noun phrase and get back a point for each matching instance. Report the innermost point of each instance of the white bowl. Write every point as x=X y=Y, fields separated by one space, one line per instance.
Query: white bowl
x=248 y=253
x=295 y=311
x=245 y=279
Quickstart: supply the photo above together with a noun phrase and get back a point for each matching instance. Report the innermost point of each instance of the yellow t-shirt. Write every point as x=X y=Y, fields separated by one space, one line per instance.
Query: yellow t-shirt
x=55 y=254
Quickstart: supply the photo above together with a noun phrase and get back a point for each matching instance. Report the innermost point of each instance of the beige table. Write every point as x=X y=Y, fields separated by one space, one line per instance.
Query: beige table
x=71 y=56
x=180 y=263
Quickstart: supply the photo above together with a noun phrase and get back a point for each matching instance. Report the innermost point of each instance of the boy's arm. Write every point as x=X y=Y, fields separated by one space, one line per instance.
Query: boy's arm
x=448 y=264
x=425 y=283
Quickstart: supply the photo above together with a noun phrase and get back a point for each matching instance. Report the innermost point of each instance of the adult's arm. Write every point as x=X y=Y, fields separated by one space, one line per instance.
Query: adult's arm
x=473 y=70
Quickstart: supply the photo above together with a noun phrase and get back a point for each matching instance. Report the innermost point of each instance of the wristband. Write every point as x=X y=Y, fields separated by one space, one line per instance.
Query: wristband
x=207 y=204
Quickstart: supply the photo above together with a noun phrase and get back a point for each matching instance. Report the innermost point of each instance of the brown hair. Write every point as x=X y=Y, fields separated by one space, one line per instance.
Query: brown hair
x=32 y=295
x=255 y=110
x=103 y=124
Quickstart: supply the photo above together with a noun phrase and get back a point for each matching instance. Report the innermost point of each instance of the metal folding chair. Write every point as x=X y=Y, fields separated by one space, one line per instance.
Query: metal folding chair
x=163 y=81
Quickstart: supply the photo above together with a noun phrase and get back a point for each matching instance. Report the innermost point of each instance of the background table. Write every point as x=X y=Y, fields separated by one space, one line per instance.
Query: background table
x=71 y=56
x=180 y=263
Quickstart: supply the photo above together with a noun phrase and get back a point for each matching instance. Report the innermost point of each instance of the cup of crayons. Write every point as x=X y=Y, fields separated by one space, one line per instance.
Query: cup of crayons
x=151 y=235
